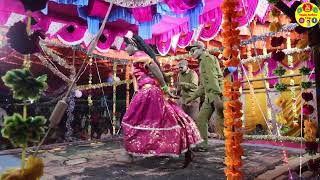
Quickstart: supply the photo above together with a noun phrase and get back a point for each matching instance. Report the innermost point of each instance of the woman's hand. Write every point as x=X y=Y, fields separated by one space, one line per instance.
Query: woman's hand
x=172 y=95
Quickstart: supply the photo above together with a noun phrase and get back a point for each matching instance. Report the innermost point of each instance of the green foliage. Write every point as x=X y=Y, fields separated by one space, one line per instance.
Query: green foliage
x=273 y=1
x=21 y=131
x=279 y=71
x=281 y=87
x=305 y=71
x=24 y=85
x=306 y=85
x=284 y=130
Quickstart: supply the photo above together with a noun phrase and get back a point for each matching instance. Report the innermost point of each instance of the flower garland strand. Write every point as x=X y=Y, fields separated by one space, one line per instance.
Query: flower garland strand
x=310 y=128
x=233 y=106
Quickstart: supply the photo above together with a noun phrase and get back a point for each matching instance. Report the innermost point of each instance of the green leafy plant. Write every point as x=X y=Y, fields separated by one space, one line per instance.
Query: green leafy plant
x=306 y=85
x=279 y=71
x=24 y=85
x=284 y=130
x=281 y=87
x=305 y=71
x=273 y=1
x=21 y=131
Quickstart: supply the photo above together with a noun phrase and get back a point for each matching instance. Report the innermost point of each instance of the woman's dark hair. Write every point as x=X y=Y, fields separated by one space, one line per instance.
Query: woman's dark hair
x=142 y=46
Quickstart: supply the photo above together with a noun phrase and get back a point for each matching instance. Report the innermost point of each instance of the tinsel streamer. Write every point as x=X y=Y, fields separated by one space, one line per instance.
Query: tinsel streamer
x=273 y=138
x=52 y=69
x=254 y=39
x=100 y=85
x=280 y=116
x=133 y=4
x=90 y=101
x=232 y=112
x=114 y=97
x=263 y=57
x=127 y=85
x=310 y=127
x=84 y=50
x=270 y=114
x=292 y=85
x=70 y=115
x=62 y=62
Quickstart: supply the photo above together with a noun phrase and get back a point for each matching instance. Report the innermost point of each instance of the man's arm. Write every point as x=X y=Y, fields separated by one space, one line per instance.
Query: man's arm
x=198 y=93
x=193 y=84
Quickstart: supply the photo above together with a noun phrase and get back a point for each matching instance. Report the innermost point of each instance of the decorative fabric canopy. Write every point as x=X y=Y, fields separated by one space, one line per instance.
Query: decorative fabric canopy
x=75 y=22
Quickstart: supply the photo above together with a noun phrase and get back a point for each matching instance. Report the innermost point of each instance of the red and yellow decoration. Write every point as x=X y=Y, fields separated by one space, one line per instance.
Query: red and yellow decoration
x=33 y=170
x=310 y=127
x=232 y=112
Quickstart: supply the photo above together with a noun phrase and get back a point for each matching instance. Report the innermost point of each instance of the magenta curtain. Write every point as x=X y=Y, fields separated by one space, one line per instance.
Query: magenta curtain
x=185 y=39
x=143 y=14
x=97 y=8
x=181 y=6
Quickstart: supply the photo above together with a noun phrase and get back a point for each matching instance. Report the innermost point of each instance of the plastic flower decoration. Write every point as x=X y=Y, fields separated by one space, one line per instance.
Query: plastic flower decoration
x=24 y=85
x=20 y=41
x=21 y=131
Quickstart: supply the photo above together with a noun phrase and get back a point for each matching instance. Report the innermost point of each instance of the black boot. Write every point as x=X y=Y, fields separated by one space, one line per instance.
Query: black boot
x=188 y=158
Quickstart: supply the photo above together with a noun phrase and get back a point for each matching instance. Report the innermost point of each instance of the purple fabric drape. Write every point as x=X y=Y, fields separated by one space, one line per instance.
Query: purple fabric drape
x=143 y=14
x=181 y=6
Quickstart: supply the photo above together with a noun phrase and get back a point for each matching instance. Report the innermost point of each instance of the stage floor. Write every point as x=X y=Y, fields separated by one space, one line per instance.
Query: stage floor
x=101 y=161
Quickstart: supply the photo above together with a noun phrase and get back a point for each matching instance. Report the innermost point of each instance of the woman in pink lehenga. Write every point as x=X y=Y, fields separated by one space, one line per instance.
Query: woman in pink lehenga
x=153 y=124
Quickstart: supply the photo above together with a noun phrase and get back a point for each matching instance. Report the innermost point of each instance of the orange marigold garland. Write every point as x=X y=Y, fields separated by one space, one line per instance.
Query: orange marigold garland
x=232 y=106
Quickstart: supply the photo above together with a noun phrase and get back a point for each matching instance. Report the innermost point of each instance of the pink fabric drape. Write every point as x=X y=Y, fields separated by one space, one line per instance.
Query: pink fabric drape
x=181 y=6
x=97 y=8
x=212 y=21
x=110 y=37
x=143 y=14
x=185 y=39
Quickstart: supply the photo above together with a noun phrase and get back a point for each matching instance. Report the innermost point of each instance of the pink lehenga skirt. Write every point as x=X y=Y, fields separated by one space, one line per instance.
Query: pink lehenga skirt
x=154 y=126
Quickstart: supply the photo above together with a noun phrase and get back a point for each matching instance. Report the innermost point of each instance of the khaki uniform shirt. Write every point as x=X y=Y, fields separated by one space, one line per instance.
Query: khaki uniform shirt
x=211 y=78
x=188 y=84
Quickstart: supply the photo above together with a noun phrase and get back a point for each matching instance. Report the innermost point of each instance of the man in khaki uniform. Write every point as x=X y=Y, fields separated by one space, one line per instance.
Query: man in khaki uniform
x=211 y=86
x=187 y=84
